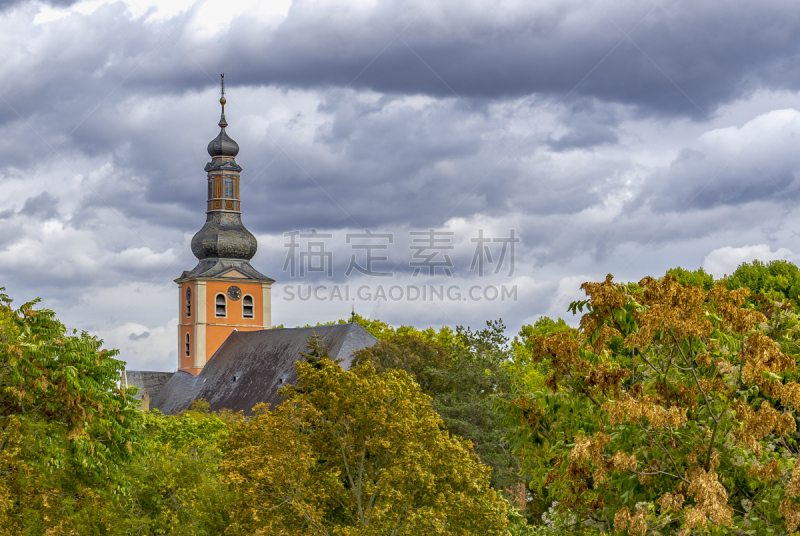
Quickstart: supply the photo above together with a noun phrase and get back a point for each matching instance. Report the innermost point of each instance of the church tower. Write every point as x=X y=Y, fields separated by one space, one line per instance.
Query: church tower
x=223 y=292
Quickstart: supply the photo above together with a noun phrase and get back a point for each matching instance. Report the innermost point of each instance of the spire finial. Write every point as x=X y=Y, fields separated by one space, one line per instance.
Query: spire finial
x=222 y=100
x=353 y=314
x=222 y=121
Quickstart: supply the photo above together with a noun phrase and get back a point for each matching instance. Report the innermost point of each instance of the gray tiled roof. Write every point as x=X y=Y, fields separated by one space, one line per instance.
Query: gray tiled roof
x=146 y=380
x=219 y=267
x=250 y=367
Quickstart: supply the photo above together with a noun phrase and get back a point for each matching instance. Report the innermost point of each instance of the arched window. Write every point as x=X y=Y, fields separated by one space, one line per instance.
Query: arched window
x=221 y=305
x=188 y=346
x=247 y=307
x=210 y=188
x=229 y=188
x=188 y=301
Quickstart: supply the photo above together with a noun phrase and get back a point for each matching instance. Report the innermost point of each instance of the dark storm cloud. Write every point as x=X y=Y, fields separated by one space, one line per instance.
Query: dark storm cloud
x=681 y=57
x=589 y=124
x=397 y=166
x=373 y=161
x=5 y=4
x=364 y=162
x=44 y=206
x=143 y=335
x=123 y=89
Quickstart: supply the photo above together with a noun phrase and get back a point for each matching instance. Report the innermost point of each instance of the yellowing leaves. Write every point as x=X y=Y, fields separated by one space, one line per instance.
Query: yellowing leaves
x=356 y=453
x=710 y=498
x=636 y=410
x=771 y=471
x=680 y=397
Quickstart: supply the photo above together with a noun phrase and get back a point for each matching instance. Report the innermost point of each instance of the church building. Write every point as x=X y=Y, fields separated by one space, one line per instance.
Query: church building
x=227 y=352
x=223 y=292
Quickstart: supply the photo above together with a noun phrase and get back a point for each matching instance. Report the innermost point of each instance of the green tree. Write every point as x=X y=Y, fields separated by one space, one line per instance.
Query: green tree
x=698 y=278
x=383 y=331
x=425 y=361
x=466 y=379
x=356 y=452
x=474 y=385
x=775 y=279
x=380 y=330
x=316 y=351
x=175 y=484
x=66 y=428
x=526 y=376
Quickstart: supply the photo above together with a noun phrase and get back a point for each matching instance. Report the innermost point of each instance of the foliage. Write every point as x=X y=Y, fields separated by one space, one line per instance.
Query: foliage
x=775 y=279
x=34 y=489
x=172 y=487
x=470 y=403
x=356 y=452
x=66 y=380
x=176 y=486
x=66 y=427
x=422 y=360
x=316 y=351
x=698 y=278
x=77 y=458
x=671 y=409
x=465 y=379
x=525 y=377
x=383 y=331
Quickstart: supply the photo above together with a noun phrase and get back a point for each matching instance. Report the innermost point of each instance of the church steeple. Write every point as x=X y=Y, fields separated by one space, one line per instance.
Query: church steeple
x=223 y=236
x=223 y=292
x=223 y=145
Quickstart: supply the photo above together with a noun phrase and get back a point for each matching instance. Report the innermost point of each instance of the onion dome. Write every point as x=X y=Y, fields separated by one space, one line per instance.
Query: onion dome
x=223 y=145
x=224 y=237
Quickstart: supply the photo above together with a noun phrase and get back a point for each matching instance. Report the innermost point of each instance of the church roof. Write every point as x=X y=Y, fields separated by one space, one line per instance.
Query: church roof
x=221 y=267
x=251 y=366
x=145 y=380
x=223 y=145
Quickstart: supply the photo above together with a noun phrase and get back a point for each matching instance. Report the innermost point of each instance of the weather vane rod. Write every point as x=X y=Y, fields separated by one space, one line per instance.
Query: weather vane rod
x=222 y=92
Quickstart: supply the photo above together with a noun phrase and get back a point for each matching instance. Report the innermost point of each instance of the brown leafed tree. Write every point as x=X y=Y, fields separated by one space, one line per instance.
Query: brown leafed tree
x=670 y=410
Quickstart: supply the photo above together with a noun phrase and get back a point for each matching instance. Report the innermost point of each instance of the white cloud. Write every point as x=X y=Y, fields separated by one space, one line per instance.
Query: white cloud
x=146 y=347
x=723 y=261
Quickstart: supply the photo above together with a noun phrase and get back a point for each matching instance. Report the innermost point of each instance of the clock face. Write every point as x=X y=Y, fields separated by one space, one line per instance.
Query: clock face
x=234 y=293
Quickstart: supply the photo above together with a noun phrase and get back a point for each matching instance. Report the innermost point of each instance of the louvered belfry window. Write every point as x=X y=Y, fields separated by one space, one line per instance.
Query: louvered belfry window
x=247 y=307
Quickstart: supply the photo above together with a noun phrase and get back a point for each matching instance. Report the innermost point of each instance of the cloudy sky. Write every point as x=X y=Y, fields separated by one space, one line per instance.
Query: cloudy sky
x=610 y=136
